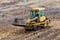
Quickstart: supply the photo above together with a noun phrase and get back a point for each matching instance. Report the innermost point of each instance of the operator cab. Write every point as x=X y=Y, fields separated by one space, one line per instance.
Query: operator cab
x=37 y=12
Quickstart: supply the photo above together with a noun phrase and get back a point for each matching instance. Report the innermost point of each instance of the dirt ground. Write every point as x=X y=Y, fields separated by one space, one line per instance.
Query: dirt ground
x=11 y=10
x=18 y=33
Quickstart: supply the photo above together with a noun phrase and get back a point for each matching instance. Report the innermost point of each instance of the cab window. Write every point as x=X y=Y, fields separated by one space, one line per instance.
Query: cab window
x=42 y=13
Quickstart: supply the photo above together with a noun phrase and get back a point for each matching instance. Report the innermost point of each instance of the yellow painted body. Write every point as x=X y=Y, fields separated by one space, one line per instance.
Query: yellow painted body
x=37 y=18
x=41 y=22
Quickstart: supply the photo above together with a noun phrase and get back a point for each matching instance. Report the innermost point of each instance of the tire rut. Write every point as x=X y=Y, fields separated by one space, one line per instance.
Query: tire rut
x=29 y=35
x=57 y=38
x=52 y=36
x=36 y=35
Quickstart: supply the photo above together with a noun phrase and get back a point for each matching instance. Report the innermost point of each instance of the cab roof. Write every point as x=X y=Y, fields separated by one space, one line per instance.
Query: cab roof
x=34 y=9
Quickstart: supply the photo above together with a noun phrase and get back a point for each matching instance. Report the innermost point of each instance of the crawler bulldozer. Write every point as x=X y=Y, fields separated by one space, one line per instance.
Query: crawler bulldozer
x=36 y=20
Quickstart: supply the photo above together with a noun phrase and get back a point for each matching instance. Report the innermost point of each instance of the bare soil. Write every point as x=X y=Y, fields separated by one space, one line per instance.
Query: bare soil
x=11 y=10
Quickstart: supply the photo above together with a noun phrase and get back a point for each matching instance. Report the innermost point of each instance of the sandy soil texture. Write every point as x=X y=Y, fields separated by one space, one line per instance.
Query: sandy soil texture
x=10 y=9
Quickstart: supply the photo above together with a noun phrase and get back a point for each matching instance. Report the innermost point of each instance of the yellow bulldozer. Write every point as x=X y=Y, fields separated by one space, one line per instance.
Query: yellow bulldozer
x=36 y=20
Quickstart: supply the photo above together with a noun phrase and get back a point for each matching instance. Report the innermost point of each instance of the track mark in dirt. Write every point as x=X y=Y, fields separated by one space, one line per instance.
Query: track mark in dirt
x=27 y=34
x=10 y=3
x=35 y=34
x=57 y=38
x=52 y=35
x=44 y=34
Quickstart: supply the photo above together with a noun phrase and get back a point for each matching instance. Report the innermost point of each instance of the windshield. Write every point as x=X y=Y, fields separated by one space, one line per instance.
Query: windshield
x=34 y=14
x=42 y=13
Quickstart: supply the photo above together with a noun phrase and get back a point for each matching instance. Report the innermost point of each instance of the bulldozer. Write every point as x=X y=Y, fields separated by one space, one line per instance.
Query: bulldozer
x=37 y=19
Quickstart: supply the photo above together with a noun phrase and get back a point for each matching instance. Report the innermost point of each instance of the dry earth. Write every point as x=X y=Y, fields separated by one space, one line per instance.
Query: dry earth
x=11 y=9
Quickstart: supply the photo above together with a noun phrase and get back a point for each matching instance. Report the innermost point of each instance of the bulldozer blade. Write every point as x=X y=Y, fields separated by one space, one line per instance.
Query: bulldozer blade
x=19 y=22
x=19 y=25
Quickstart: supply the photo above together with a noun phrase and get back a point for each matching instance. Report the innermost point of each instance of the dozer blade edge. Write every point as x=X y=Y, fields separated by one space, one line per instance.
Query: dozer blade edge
x=19 y=25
